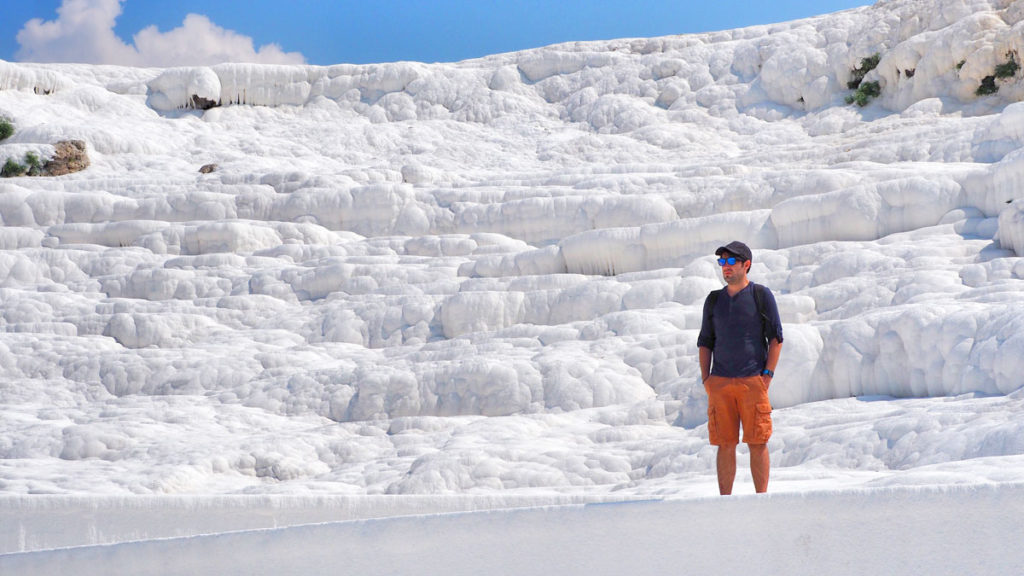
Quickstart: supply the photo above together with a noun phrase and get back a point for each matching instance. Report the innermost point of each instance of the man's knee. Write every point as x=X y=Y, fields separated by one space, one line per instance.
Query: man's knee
x=727 y=447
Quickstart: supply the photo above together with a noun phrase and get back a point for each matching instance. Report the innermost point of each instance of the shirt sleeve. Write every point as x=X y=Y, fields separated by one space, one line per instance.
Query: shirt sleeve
x=706 y=338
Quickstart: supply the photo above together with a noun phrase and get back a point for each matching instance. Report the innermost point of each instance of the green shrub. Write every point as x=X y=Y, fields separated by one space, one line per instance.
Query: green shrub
x=865 y=92
x=6 y=129
x=12 y=168
x=866 y=65
x=988 y=86
x=1007 y=69
x=34 y=165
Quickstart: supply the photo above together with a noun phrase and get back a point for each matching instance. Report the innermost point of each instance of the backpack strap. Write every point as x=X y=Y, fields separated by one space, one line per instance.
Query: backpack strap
x=713 y=298
x=759 y=302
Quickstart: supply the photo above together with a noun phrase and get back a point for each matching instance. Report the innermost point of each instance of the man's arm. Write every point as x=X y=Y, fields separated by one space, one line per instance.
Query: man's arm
x=706 y=337
x=705 y=362
x=774 y=351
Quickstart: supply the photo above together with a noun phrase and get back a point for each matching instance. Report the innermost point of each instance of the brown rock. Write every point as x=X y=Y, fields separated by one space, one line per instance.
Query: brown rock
x=200 y=103
x=207 y=168
x=69 y=156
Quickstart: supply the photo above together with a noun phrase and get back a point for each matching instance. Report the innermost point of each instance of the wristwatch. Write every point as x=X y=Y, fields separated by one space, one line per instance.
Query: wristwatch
x=768 y=373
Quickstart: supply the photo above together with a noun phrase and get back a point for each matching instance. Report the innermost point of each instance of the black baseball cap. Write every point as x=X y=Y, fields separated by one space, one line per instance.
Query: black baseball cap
x=737 y=249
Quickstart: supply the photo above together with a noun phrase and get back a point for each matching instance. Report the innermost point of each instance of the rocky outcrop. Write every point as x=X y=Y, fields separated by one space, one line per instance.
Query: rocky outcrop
x=69 y=156
x=200 y=103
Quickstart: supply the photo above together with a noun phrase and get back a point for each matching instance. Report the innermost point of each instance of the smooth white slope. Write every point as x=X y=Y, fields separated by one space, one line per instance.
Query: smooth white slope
x=972 y=530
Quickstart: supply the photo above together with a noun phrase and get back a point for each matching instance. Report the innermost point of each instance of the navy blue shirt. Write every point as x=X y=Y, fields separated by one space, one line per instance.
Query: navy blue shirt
x=734 y=333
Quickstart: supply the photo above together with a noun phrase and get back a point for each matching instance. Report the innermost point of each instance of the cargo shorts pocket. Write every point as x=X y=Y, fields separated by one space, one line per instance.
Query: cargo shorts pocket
x=712 y=425
x=762 y=423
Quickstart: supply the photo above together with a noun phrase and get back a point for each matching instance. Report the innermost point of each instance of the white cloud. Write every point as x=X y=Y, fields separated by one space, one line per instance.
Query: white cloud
x=84 y=32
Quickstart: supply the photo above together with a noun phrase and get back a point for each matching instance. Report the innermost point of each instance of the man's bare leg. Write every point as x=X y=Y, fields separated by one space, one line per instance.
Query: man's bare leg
x=759 y=466
x=726 y=468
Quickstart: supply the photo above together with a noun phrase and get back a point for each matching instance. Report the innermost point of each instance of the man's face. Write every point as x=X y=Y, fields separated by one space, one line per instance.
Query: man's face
x=733 y=273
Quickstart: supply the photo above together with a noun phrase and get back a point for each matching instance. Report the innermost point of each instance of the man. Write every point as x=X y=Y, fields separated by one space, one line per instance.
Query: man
x=739 y=344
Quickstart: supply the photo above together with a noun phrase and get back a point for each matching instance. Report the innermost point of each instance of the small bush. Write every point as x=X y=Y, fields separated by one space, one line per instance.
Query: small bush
x=34 y=165
x=988 y=86
x=12 y=168
x=6 y=129
x=865 y=92
x=866 y=65
x=1007 y=69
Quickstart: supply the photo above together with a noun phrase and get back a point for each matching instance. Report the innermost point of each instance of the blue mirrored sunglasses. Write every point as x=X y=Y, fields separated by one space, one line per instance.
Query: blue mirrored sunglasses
x=731 y=261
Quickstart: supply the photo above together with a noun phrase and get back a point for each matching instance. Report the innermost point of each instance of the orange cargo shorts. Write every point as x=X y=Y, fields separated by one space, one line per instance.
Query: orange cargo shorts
x=732 y=401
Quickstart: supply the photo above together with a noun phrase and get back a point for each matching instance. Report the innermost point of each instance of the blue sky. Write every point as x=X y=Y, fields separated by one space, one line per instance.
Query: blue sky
x=365 y=31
